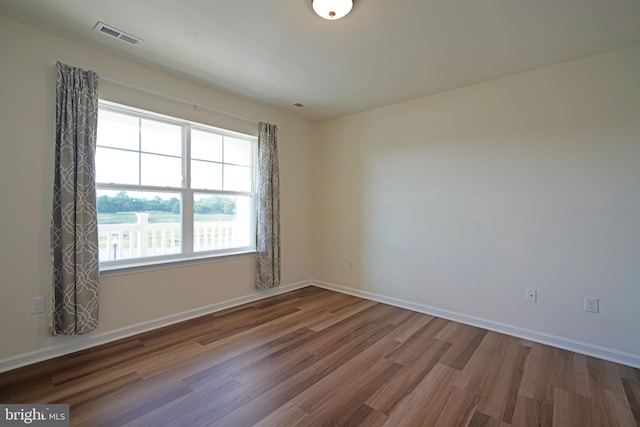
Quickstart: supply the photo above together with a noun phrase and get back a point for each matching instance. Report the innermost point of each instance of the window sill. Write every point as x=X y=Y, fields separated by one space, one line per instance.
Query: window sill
x=120 y=270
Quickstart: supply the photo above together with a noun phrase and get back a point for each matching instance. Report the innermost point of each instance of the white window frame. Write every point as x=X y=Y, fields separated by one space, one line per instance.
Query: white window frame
x=186 y=194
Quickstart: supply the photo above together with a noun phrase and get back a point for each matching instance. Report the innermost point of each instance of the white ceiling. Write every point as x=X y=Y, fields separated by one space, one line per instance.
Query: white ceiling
x=280 y=52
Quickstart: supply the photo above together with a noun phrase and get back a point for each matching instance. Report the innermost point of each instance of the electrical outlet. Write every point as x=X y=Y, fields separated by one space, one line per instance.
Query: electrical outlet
x=350 y=264
x=36 y=305
x=531 y=295
x=591 y=305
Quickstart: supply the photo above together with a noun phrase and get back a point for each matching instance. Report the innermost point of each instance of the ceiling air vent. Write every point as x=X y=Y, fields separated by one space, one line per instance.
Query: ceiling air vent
x=117 y=34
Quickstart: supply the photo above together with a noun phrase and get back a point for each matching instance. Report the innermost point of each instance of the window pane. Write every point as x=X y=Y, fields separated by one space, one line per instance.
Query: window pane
x=145 y=152
x=237 y=151
x=117 y=130
x=206 y=175
x=138 y=224
x=116 y=166
x=161 y=138
x=237 y=178
x=161 y=171
x=206 y=146
x=221 y=222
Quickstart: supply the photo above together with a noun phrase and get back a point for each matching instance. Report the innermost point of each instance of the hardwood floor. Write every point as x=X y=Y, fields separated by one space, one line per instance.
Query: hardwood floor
x=313 y=357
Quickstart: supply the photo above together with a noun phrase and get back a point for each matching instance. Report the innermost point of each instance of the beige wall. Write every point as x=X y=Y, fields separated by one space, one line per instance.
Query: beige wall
x=457 y=201
x=461 y=200
x=27 y=108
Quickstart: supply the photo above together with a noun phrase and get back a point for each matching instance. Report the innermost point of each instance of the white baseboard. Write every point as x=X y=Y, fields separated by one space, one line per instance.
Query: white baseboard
x=84 y=342
x=77 y=343
x=599 y=352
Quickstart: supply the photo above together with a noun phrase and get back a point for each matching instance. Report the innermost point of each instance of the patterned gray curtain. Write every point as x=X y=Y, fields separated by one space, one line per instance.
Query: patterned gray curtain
x=74 y=225
x=268 y=202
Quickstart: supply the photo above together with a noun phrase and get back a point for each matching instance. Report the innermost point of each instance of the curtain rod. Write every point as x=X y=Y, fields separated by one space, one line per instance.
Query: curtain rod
x=174 y=98
x=181 y=100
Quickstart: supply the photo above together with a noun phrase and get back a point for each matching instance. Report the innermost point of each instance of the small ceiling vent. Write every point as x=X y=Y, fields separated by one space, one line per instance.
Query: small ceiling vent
x=117 y=34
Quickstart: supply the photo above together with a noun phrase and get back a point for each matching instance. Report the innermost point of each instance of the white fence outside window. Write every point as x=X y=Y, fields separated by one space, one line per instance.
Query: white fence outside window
x=144 y=239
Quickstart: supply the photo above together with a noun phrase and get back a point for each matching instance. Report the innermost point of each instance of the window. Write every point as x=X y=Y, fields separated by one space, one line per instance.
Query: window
x=169 y=189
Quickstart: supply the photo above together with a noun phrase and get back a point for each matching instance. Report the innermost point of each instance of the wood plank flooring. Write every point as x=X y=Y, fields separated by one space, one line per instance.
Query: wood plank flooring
x=313 y=357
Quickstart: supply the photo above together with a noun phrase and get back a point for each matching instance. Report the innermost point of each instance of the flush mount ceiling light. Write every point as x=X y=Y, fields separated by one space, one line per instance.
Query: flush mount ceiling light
x=332 y=9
